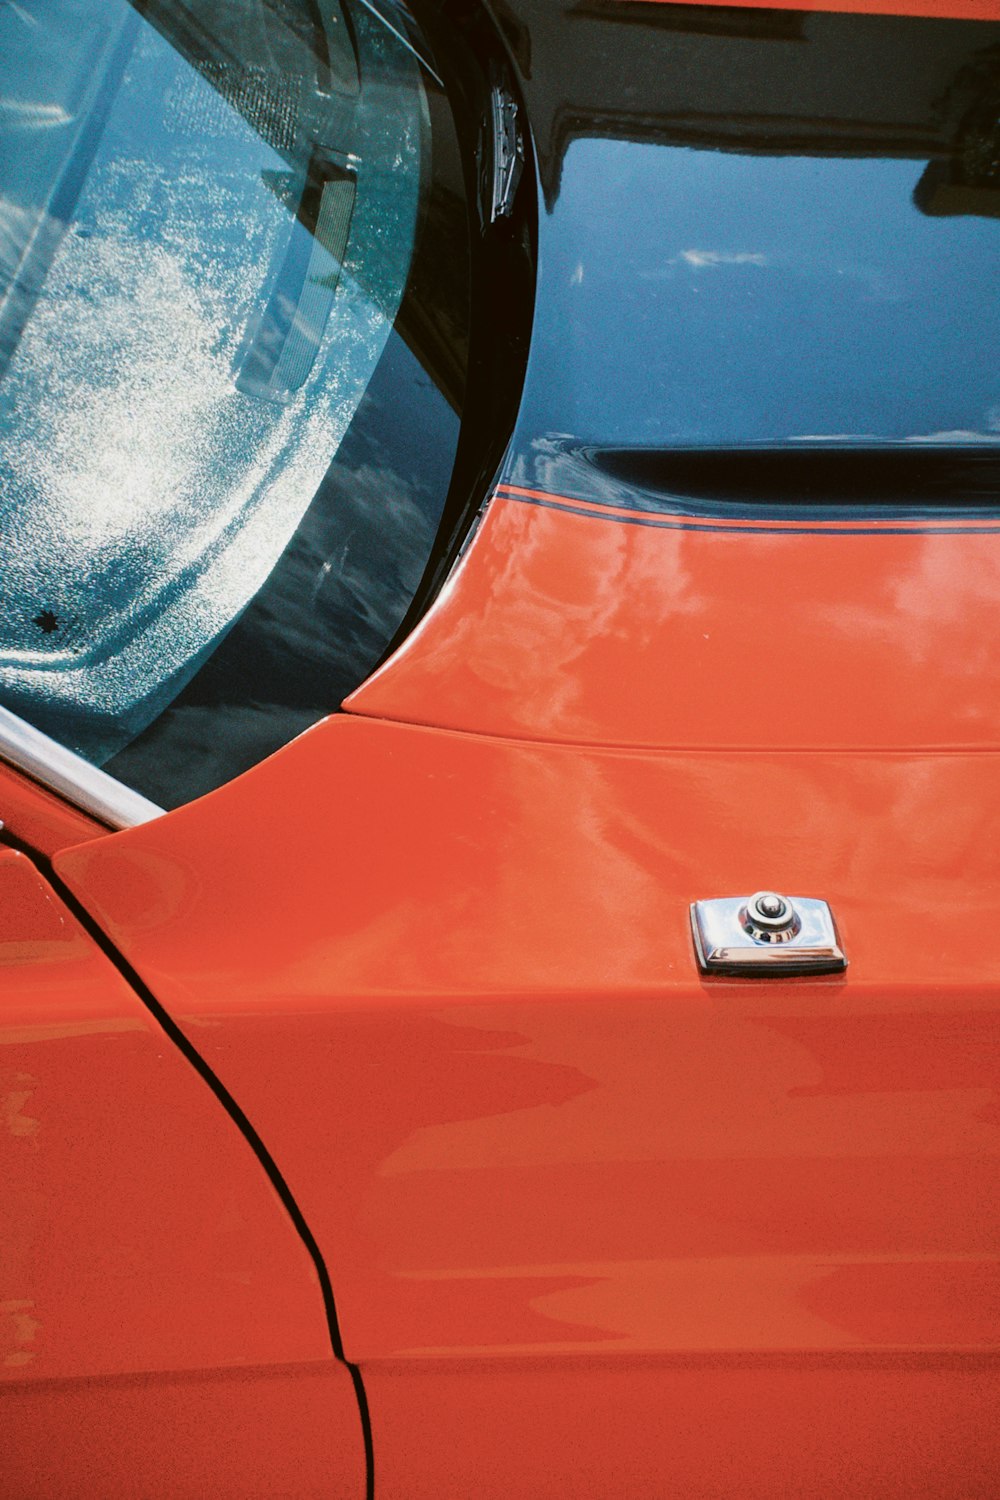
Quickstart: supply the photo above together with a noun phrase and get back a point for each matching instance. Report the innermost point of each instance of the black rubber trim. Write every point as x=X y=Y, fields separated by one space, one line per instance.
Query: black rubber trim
x=236 y=1114
x=471 y=52
x=813 y=476
x=661 y=523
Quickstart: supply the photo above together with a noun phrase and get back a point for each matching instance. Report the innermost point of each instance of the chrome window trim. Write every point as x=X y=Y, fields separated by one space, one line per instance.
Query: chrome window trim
x=60 y=770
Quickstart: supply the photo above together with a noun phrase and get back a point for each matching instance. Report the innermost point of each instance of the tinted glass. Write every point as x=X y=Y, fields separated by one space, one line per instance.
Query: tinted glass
x=766 y=226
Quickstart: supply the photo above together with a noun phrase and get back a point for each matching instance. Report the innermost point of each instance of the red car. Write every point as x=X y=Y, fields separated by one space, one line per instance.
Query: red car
x=499 y=731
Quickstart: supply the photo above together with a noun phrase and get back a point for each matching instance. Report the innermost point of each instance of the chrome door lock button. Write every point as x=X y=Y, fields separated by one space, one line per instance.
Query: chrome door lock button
x=766 y=934
x=768 y=907
x=770 y=918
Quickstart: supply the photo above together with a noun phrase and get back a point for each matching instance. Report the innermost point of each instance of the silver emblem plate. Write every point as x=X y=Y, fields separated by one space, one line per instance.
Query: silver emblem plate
x=766 y=935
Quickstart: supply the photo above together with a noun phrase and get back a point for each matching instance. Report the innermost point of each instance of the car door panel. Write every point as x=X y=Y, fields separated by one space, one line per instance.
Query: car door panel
x=163 y=1327
x=757 y=1426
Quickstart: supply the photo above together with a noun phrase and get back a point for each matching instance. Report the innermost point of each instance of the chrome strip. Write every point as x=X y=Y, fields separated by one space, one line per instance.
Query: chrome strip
x=90 y=789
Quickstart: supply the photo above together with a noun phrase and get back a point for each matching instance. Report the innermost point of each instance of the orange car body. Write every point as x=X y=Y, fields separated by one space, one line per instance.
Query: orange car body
x=593 y=1223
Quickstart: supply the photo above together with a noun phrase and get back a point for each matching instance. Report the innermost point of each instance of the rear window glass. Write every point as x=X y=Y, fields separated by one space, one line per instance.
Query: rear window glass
x=233 y=335
x=775 y=227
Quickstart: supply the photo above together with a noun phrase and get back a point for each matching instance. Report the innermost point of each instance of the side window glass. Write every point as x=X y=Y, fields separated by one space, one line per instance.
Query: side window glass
x=226 y=435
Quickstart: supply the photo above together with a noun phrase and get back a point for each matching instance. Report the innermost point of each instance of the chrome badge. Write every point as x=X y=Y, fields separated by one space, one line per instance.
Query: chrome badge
x=766 y=935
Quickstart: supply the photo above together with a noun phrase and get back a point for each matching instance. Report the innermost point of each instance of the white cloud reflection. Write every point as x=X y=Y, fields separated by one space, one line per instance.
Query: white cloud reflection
x=701 y=259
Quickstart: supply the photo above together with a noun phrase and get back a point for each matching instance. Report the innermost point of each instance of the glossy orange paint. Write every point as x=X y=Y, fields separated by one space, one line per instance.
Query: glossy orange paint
x=758 y=1428
x=142 y=1240
x=972 y=10
x=39 y=818
x=235 y=1434
x=471 y=1029
x=595 y=626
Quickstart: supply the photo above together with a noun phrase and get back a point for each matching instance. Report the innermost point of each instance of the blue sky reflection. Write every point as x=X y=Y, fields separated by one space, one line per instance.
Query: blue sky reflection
x=705 y=297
